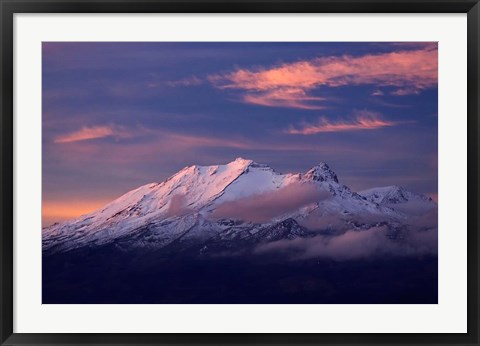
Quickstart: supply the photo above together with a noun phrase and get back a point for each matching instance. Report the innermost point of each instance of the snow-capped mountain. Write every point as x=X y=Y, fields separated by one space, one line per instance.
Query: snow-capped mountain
x=400 y=199
x=392 y=195
x=242 y=202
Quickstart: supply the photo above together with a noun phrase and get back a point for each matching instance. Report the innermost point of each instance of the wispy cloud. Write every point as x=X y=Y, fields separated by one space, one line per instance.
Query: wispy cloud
x=290 y=84
x=143 y=144
x=406 y=91
x=362 y=121
x=420 y=238
x=189 y=81
x=86 y=133
x=285 y=97
x=170 y=146
x=265 y=206
x=355 y=244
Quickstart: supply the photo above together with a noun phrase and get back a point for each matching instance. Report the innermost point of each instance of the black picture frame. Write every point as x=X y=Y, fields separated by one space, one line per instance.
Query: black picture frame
x=10 y=7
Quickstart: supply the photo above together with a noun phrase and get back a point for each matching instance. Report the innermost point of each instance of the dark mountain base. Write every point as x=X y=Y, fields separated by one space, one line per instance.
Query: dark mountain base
x=110 y=276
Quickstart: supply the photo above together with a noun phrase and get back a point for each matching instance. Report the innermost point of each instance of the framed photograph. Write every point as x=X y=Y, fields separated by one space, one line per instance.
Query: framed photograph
x=239 y=173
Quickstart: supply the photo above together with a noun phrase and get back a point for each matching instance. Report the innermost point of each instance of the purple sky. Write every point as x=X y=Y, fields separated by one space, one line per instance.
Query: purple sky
x=120 y=115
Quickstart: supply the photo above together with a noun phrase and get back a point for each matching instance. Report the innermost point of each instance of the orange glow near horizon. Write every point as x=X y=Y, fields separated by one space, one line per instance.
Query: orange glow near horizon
x=66 y=210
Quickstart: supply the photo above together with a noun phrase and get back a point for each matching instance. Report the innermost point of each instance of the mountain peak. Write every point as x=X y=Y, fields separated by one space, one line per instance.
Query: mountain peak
x=321 y=172
x=188 y=205
x=393 y=194
x=245 y=164
x=240 y=161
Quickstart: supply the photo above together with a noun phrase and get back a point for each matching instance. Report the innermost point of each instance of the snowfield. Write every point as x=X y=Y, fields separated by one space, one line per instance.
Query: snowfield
x=242 y=202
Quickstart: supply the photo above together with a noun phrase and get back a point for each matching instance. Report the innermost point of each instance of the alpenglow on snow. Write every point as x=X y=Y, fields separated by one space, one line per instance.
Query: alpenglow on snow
x=239 y=204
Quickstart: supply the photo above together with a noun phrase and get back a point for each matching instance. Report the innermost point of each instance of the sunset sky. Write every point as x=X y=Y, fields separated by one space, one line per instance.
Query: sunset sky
x=120 y=115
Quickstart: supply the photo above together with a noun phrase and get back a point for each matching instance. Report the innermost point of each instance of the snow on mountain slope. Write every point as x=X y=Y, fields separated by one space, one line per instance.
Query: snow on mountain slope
x=188 y=190
x=400 y=199
x=258 y=179
x=182 y=209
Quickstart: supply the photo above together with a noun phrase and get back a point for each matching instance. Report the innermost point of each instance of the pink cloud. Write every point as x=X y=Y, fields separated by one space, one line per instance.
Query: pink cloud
x=82 y=148
x=284 y=97
x=157 y=144
x=363 y=121
x=177 y=206
x=86 y=133
x=265 y=206
x=404 y=69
